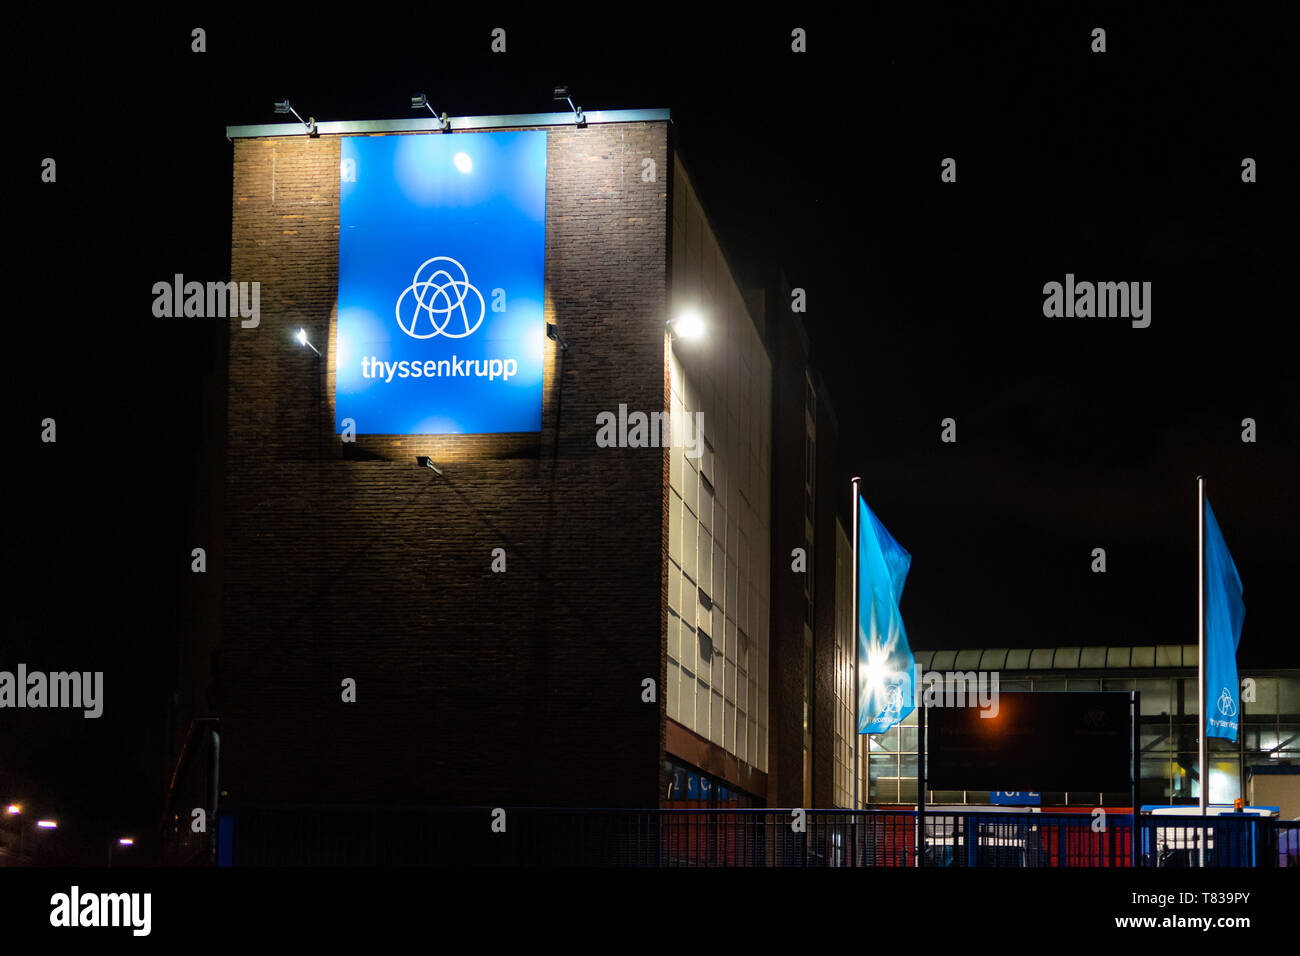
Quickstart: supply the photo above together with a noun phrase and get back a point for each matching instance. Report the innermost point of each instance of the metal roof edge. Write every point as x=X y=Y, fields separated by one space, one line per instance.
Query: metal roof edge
x=430 y=123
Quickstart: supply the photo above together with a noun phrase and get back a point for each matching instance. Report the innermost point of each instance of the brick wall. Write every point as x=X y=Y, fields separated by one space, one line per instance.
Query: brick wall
x=352 y=561
x=832 y=490
x=789 y=657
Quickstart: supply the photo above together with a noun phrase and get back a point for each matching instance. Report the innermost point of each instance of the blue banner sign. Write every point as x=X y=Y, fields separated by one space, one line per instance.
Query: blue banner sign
x=1016 y=798
x=1224 y=614
x=886 y=693
x=442 y=250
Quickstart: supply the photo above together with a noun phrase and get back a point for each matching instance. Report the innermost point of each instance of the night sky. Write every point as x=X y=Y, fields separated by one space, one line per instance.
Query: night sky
x=924 y=302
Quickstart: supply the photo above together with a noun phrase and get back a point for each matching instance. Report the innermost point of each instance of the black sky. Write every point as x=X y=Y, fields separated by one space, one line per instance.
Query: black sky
x=924 y=298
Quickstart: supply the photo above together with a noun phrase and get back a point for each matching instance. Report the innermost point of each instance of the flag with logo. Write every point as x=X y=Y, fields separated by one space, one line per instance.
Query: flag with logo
x=1224 y=612
x=885 y=662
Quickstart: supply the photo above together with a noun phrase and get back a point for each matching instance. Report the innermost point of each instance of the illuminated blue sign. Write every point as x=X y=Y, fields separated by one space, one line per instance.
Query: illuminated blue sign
x=1015 y=798
x=442 y=248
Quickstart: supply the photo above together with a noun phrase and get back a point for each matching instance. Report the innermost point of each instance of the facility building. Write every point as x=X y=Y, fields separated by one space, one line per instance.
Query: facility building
x=529 y=614
x=622 y=579
x=1165 y=677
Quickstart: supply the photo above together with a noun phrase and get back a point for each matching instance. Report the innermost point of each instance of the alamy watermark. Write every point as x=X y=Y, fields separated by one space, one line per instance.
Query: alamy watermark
x=977 y=689
x=58 y=689
x=650 y=430
x=958 y=689
x=215 y=300
x=1099 y=300
x=77 y=909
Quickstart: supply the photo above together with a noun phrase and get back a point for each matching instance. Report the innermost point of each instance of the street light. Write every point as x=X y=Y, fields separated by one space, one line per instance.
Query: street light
x=41 y=825
x=14 y=810
x=123 y=841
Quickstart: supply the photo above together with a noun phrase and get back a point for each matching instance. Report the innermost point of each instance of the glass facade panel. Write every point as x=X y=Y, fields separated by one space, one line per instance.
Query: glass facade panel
x=674 y=677
x=703 y=657
x=686 y=700
x=1288 y=697
x=704 y=562
x=1289 y=739
x=1167 y=735
x=1157 y=696
x=994 y=659
x=1092 y=657
x=688 y=649
x=716 y=715
x=1265 y=701
x=1169 y=655
x=1143 y=657
x=882 y=771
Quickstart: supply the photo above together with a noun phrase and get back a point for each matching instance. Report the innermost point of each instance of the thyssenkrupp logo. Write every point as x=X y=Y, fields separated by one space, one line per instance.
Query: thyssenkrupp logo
x=440 y=295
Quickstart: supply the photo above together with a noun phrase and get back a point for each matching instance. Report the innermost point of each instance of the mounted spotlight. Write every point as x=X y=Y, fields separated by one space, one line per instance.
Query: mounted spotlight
x=561 y=95
x=421 y=102
x=689 y=326
x=553 y=334
x=282 y=106
x=302 y=340
x=427 y=462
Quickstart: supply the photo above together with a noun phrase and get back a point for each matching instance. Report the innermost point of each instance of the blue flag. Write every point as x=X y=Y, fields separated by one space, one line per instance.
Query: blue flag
x=1224 y=612
x=885 y=662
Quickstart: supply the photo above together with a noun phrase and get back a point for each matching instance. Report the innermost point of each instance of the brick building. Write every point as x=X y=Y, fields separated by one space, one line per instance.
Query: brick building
x=332 y=560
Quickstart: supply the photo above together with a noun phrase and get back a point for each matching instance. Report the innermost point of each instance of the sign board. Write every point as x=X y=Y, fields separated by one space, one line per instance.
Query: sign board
x=1015 y=798
x=1043 y=741
x=442 y=249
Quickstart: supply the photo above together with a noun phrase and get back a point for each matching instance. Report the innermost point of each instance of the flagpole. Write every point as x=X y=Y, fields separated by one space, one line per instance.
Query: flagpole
x=857 y=690
x=1204 y=744
x=920 y=775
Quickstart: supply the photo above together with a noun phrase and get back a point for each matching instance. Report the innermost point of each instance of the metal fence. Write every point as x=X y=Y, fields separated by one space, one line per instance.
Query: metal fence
x=977 y=839
x=1288 y=843
x=484 y=836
